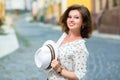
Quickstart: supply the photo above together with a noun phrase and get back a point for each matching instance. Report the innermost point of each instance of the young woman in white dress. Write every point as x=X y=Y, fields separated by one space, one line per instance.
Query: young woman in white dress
x=72 y=61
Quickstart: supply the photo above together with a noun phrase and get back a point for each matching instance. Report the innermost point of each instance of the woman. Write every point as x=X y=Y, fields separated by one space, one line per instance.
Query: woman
x=73 y=54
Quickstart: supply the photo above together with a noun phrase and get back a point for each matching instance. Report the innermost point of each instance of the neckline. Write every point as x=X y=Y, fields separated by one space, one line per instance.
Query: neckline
x=78 y=40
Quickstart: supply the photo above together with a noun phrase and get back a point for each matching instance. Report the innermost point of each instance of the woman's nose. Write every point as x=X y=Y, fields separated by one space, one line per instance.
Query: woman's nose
x=71 y=19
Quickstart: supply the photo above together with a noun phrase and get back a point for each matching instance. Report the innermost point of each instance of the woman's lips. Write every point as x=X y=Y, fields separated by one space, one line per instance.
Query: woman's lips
x=71 y=24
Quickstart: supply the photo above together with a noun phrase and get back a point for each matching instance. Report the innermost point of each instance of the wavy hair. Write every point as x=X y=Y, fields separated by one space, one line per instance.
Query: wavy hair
x=86 y=28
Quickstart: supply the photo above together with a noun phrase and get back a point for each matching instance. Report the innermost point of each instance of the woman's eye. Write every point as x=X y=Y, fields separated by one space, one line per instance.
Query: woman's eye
x=73 y=17
x=77 y=17
x=69 y=16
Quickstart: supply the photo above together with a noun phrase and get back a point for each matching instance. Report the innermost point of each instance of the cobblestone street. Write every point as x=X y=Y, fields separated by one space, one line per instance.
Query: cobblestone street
x=103 y=61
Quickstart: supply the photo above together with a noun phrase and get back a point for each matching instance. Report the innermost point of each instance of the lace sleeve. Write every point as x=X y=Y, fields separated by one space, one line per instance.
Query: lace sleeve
x=80 y=61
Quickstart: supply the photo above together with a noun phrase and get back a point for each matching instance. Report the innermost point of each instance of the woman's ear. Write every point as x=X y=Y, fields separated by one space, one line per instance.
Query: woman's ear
x=82 y=26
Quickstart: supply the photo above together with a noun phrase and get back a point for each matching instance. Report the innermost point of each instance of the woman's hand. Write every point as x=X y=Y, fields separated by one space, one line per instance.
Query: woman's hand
x=56 y=65
x=64 y=72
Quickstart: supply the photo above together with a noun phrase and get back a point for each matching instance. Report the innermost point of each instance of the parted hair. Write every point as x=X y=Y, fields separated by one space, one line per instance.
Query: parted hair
x=86 y=28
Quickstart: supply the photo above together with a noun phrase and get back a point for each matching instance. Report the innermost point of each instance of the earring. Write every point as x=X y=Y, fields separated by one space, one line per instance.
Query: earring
x=82 y=27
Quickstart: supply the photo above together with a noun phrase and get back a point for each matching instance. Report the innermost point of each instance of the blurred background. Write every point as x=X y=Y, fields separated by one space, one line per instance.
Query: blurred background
x=26 y=24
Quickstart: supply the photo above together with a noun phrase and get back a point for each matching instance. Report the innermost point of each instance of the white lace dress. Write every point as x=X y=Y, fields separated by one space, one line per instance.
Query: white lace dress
x=73 y=57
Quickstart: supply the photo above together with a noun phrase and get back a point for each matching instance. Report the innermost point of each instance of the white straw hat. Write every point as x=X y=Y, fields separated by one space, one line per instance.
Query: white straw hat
x=45 y=54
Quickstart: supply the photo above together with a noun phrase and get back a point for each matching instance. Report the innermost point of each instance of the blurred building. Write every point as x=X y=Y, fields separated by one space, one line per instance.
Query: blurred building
x=51 y=11
x=2 y=12
x=55 y=8
x=87 y=3
x=18 y=4
x=105 y=13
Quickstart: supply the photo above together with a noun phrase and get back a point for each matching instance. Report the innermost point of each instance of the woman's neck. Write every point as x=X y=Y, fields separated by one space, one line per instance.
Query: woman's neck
x=74 y=35
x=71 y=36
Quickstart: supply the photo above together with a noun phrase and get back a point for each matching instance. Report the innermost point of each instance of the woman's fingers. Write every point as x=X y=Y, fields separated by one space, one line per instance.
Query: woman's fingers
x=55 y=64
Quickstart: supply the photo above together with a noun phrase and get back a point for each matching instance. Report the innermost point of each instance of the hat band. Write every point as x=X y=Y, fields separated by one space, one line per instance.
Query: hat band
x=52 y=54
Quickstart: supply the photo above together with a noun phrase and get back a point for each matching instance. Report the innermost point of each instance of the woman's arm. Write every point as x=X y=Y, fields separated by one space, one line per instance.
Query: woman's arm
x=68 y=74
x=62 y=71
x=80 y=60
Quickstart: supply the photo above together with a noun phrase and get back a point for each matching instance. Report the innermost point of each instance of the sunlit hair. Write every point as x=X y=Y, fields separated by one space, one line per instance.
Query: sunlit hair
x=86 y=28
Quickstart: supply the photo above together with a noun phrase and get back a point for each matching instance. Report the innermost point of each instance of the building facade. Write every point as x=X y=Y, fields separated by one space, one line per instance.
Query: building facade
x=55 y=8
x=2 y=12
x=105 y=13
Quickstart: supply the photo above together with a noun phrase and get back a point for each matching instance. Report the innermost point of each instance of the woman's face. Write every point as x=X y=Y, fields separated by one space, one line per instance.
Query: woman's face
x=74 y=20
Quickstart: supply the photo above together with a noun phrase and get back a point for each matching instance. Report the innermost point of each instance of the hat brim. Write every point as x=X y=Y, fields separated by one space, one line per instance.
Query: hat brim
x=40 y=62
x=53 y=44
